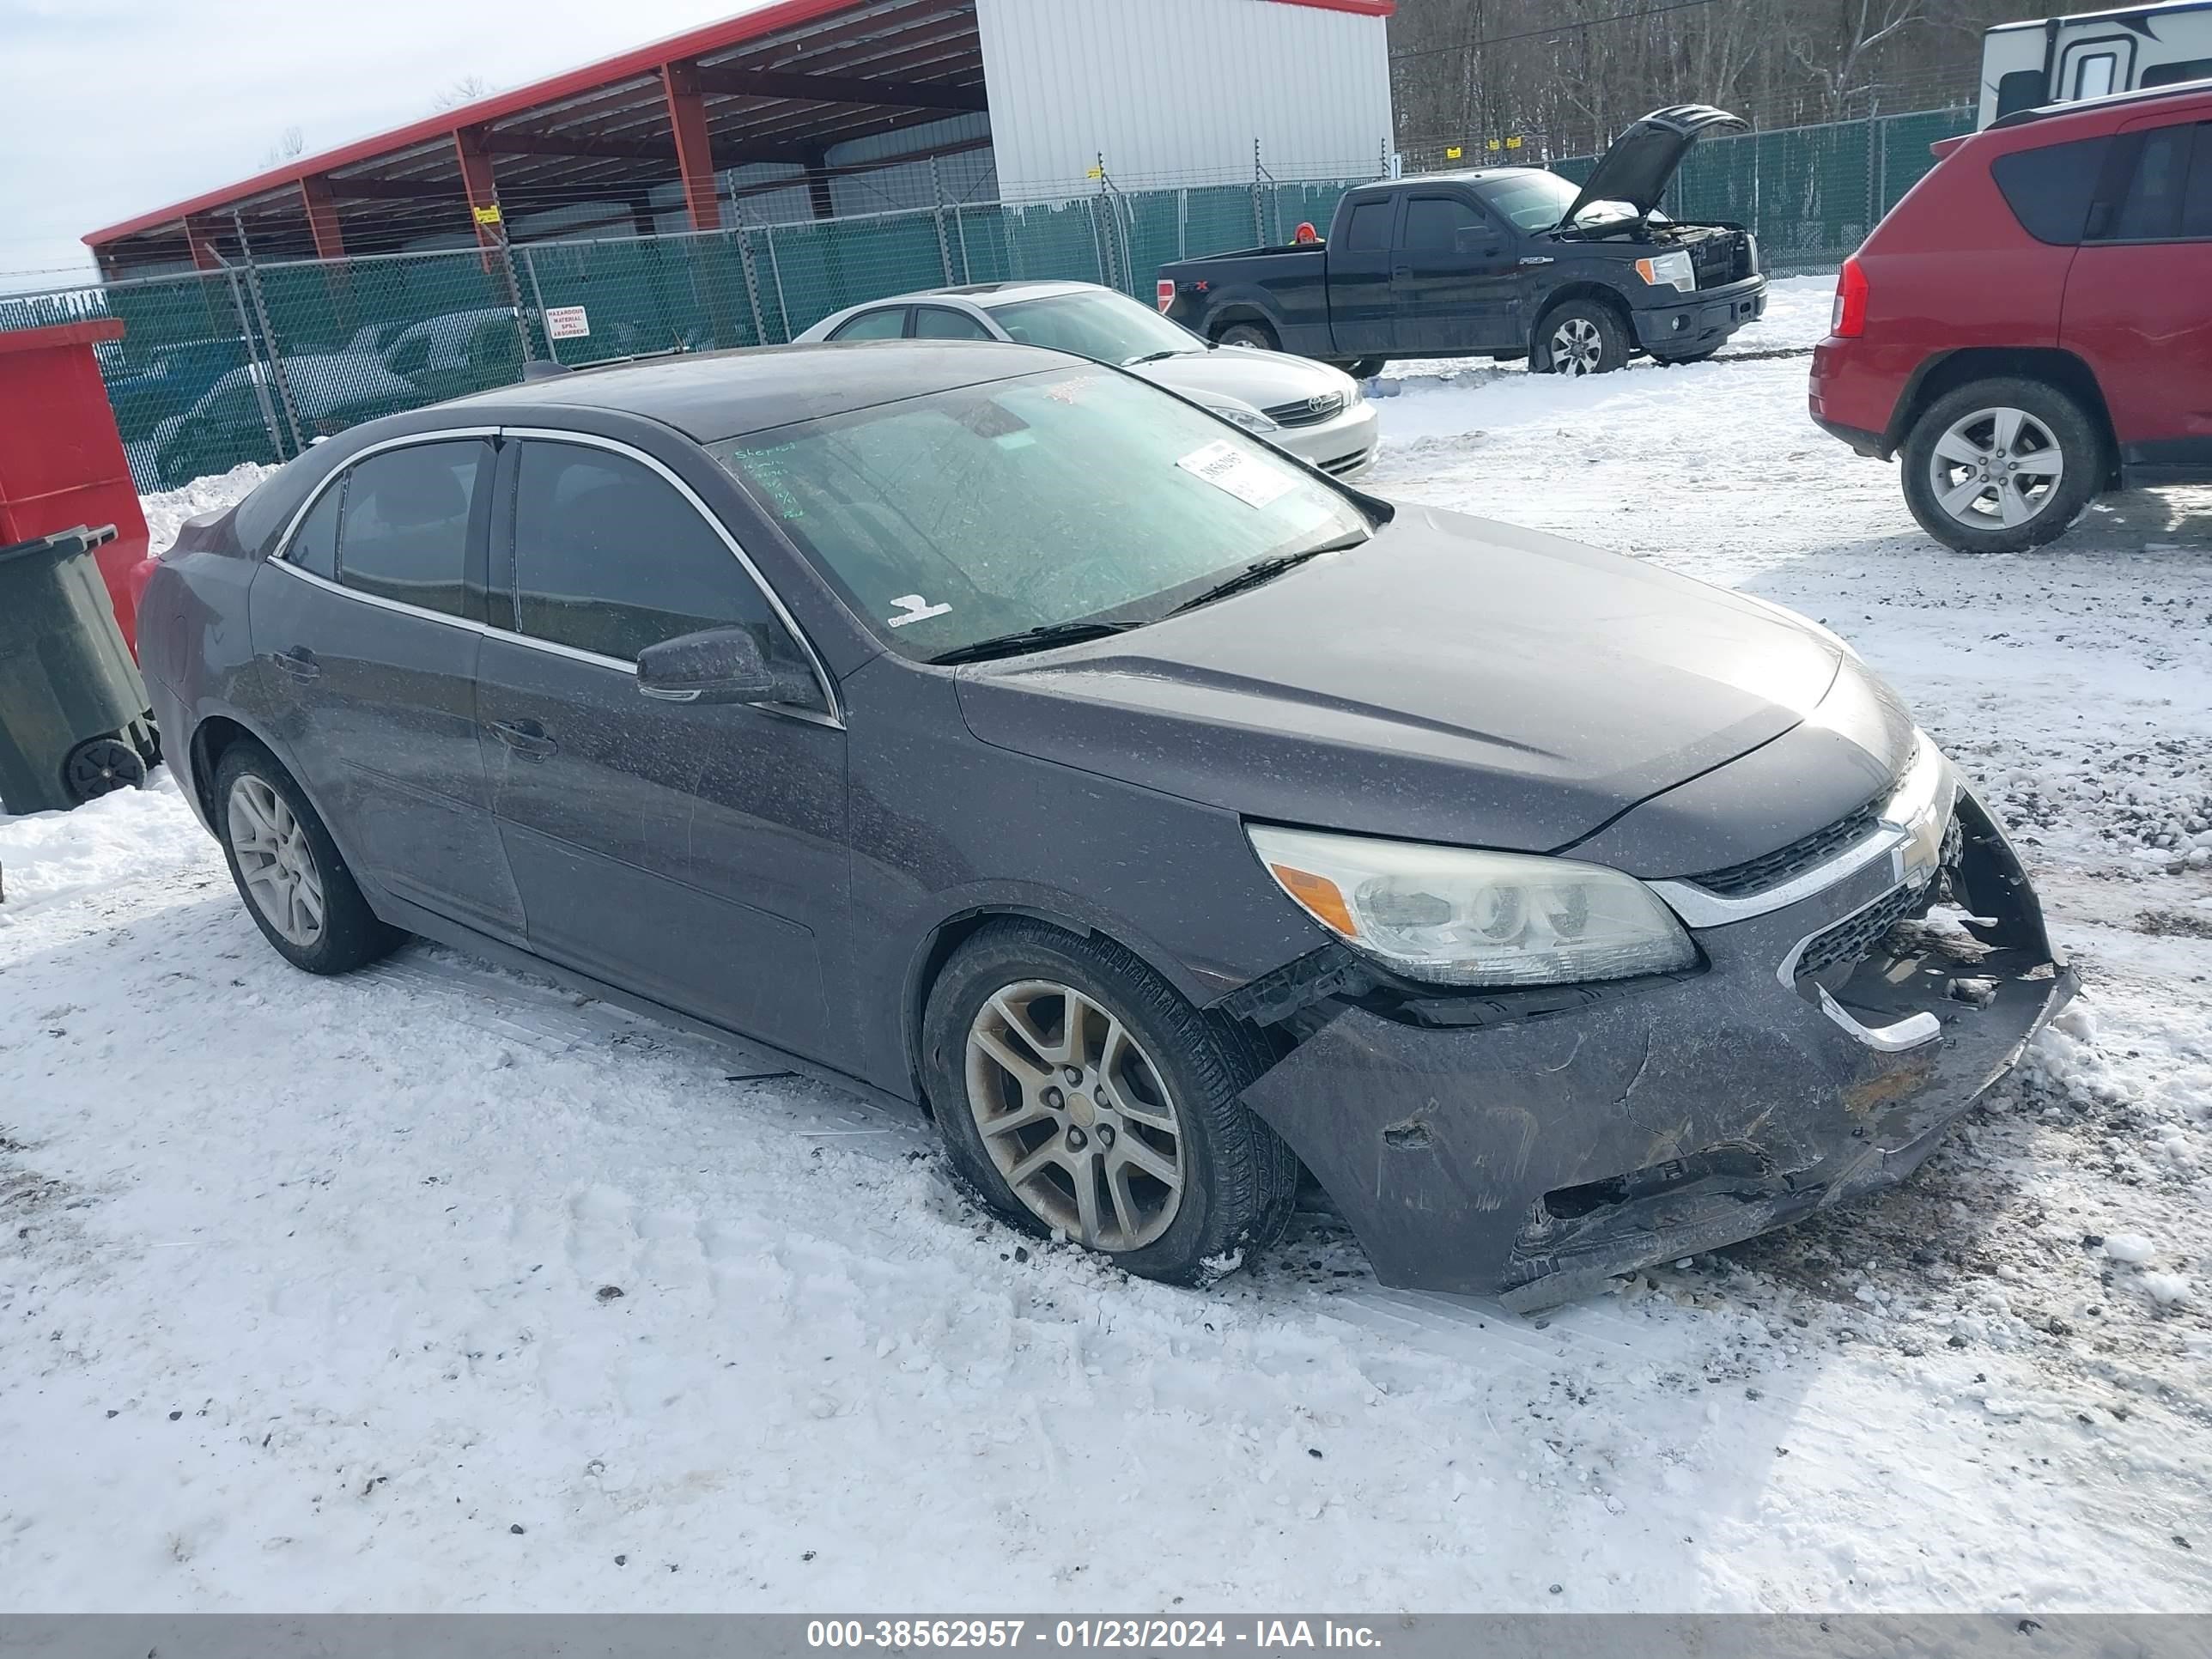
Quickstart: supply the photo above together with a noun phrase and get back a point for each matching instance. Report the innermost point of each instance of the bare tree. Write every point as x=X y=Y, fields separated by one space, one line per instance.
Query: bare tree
x=290 y=143
x=1838 y=64
x=466 y=90
x=1565 y=75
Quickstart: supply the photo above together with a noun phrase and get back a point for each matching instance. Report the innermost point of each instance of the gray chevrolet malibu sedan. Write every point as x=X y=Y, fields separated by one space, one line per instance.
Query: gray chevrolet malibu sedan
x=992 y=732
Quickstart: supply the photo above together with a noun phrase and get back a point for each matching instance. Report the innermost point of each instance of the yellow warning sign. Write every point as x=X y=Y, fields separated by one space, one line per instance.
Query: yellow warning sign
x=1451 y=154
x=488 y=215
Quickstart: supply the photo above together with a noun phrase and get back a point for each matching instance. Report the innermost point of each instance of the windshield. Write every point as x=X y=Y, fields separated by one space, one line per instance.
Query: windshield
x=1537 y=201
x=1074 y=493
x=1104 y=326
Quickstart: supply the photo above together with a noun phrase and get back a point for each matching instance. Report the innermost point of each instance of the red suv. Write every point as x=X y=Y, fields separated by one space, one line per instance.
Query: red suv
x=2031 y=324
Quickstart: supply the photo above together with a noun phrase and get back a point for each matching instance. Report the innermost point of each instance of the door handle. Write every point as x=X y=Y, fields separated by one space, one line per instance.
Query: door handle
x=527 y=738
x=300 y=663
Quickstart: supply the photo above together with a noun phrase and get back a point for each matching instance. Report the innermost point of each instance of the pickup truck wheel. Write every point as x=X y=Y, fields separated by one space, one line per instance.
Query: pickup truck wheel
x=1366 y=368
x=1580 y=337
x=1248 y=334
x=2002 y=465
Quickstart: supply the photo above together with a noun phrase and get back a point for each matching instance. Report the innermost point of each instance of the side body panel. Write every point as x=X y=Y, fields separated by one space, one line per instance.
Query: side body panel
x=2139 y=313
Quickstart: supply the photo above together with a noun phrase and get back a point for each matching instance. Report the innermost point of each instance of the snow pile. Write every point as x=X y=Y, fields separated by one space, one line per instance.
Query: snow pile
x=168 y=509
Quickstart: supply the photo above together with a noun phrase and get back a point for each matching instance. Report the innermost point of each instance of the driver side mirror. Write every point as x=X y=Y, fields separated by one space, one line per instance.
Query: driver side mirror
x=720 y=665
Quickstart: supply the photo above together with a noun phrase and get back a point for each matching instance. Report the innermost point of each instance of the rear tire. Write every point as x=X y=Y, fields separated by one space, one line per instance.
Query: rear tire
x=1365 y=369
x=295 y=886
x=1248 y=334
x=1580 y=337
x=1090 y=1072
x=2036 y=455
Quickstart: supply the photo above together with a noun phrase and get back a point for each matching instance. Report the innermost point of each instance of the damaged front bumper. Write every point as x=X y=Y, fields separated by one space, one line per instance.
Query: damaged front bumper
x=1531 y=1144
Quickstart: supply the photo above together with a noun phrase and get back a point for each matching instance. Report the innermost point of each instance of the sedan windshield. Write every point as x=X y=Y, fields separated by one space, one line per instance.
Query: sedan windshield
x=985 y=511
x=1105 y=327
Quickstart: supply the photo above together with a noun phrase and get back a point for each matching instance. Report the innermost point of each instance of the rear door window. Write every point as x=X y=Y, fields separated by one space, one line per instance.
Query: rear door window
x=885 y=324
x=2048 y=189
x=404 y=529
x=2149 y=209
x=1369 y=230
x=315 y=544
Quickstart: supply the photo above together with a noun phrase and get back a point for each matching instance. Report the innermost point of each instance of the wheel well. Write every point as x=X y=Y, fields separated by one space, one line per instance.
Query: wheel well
x=1232 y=315
x=1947 y=374
x=956 y=931
x=210 y=738
x=1597 y=291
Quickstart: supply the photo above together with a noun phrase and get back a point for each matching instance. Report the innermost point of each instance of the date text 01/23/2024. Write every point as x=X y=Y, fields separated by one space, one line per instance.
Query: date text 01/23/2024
x=1258 y=1636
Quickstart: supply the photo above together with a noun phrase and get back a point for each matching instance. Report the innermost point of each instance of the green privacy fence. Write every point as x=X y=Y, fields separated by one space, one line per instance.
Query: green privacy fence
x=1811 y=194
x=255 y=361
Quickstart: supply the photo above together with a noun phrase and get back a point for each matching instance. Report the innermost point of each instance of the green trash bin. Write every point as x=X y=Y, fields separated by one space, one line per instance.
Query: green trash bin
x=74 y=722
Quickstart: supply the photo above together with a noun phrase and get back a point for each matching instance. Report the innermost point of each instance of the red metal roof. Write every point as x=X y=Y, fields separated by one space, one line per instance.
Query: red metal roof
x=594 y=119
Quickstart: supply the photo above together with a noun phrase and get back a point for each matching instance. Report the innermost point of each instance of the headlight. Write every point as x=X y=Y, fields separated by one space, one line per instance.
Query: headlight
x=1453 y=916
x=1244 y=416
x=1669 y=270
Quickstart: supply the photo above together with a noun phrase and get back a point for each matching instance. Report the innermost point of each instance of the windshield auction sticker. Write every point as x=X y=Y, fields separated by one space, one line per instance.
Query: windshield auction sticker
x=1225 y=467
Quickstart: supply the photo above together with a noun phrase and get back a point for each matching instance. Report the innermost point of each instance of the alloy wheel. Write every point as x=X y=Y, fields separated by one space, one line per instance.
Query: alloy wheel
x=1996 y=468
x=276 y=862
x=1075 y=1115
x=1577 y=347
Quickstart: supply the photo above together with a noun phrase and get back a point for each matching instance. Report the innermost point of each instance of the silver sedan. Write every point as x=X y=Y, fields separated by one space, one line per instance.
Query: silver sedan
x=1313 y=411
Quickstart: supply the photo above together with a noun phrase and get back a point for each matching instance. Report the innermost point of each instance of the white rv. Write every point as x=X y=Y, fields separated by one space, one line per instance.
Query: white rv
x=2055 y=60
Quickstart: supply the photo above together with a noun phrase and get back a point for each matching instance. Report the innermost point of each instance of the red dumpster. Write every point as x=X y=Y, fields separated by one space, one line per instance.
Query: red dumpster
x=61 y=458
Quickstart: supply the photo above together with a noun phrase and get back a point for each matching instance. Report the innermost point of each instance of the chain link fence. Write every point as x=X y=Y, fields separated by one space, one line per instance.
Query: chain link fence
x=255 y=361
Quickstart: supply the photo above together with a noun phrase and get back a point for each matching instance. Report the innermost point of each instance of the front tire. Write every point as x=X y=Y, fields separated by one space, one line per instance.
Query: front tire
x=1580 y=337
x=2002 y=465
x=295 y=886
x=1079 y=1094
x=1248 y=334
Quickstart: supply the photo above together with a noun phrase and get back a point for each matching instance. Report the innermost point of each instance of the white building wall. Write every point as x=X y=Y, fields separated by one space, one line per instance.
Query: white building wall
x=1174 y=92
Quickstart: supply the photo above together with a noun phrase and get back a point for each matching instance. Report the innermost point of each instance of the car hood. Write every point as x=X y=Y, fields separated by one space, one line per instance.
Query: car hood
x=1454 y=680
x=1639 y=166
x=1265 y=380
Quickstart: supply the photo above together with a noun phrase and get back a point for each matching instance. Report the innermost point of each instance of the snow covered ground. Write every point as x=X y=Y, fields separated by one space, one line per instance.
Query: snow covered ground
x=436 y=1288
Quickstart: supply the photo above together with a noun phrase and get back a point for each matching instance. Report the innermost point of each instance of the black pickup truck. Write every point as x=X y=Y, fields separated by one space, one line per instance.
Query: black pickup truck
x=1497 y=262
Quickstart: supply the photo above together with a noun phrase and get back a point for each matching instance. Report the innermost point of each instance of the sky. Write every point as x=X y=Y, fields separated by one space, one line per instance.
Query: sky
x=113 y=107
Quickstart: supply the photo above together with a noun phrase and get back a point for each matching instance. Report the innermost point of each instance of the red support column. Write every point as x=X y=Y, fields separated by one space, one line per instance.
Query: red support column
x=695 y=156
x=199 y=235
x=322 y=217
x=482 y=189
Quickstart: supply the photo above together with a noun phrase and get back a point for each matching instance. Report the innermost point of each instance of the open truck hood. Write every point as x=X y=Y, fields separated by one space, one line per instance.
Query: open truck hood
x=1641 y=162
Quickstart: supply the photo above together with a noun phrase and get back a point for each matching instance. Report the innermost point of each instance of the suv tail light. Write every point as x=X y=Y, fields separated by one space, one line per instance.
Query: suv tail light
x=1848 y=320
x=1165 y=293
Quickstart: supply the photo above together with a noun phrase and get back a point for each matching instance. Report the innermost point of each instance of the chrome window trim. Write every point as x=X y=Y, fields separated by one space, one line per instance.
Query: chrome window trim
x=401 y=606
x=444 y=435
x=615 y=446
x=282 y=557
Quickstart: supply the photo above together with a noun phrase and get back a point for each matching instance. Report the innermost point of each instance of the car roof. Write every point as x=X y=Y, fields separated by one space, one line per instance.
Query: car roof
x=712 y=395
x=2091 y=106
x=984 y=295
